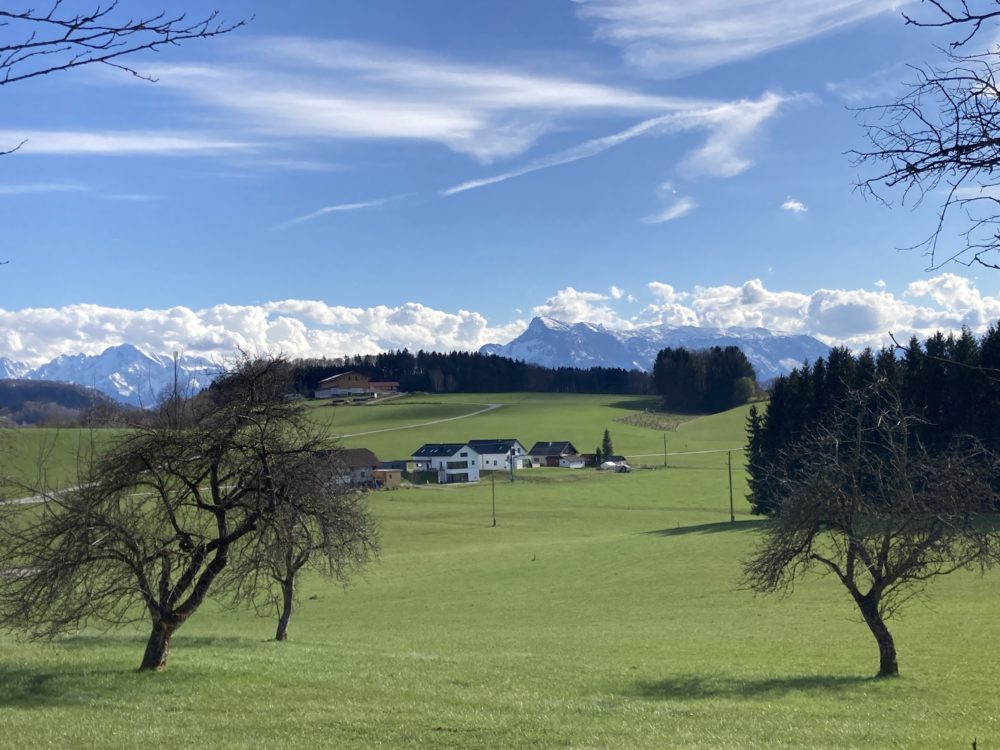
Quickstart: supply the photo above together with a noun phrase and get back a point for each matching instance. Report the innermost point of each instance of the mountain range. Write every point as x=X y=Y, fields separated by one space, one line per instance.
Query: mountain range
x=553 y=343
x=132 y=376
x=124 y=372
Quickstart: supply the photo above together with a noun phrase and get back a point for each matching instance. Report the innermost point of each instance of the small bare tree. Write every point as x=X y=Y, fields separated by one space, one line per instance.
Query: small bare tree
x=38 y=42
x=870 y=505
x=942 y=138
x=160 y=516
x=326 y=526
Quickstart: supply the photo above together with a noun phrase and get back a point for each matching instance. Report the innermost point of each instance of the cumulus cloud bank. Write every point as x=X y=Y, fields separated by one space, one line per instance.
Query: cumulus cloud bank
x=851 y=317
x=312 y=328
x=297 y=328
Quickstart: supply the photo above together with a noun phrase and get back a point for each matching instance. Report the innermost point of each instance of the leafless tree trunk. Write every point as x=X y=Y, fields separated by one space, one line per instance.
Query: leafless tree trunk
x=865 y=501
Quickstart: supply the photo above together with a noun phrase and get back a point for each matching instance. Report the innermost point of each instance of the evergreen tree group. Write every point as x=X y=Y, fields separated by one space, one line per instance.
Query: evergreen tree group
x=471 y=372
x=704 y=380
x=951 y=384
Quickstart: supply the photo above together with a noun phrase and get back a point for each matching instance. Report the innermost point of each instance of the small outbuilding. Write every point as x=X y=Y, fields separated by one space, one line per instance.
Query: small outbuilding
x=556 y=453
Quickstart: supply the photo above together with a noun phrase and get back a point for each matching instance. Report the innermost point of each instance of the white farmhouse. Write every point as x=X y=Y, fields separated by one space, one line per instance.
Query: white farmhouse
x=496 y=454
x=453 y=462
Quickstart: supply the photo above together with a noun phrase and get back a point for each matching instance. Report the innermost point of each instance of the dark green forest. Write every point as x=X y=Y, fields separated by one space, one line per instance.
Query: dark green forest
x=471 y=372
x=950 y=384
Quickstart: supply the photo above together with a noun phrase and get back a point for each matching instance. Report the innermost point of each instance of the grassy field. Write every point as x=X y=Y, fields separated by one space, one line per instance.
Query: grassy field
x=603 y=611
x=395 y=429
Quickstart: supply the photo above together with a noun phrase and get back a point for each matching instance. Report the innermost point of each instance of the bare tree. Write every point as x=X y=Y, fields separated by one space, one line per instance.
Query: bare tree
x=326 y=527
x=941 y=139
x=161 y=515
x=871 y=506
x=35 y=43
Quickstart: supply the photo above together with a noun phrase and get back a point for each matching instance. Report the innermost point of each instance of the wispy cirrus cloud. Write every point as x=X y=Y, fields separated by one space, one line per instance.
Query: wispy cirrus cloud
x=31 y=188
x=328 y=89
x=118 y=143
x=671 y=38
x=729 y=127
x=337 y=208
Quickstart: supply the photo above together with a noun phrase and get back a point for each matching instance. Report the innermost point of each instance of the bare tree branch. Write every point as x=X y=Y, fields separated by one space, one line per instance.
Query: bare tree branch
x=860 y=496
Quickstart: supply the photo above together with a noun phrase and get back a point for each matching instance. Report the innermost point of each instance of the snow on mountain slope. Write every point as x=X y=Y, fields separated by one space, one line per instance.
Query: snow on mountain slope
x=128 y=374
x=553 y=343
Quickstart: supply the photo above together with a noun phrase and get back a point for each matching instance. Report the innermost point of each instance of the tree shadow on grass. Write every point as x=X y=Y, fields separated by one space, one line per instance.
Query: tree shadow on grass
x=639 y=403
x=697 y=687
x=34 y=687
x=709 y=528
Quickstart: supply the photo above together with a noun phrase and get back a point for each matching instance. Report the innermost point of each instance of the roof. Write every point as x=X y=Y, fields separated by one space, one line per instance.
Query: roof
x=354 y=458
x=557 y=448
x=497 y=445
x=433 y=450
x=334 y=378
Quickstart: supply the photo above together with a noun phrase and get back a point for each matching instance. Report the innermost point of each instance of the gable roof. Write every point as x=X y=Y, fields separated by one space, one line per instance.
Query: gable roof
x=334 y=378
x=557 y=448
x=497 y=445
x=436 y=450
x=354 y=458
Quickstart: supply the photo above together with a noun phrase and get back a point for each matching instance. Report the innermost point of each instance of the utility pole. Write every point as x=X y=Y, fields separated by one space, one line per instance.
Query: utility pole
x=174 y=398
x=732 y=515
x=664 y=450
x=510 y=457
x=493 y=485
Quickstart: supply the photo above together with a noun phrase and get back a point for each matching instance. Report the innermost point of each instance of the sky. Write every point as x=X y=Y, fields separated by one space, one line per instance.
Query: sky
x=348 y=177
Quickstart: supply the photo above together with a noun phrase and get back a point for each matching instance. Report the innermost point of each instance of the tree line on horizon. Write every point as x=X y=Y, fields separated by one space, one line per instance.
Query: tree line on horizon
x=471 y=372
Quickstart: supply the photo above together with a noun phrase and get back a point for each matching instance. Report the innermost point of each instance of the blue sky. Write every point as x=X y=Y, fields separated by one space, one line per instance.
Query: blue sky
x=342 y=177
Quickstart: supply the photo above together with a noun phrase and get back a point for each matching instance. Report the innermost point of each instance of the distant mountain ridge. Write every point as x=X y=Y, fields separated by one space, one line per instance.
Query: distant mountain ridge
x=125 y=373
x=554 y=343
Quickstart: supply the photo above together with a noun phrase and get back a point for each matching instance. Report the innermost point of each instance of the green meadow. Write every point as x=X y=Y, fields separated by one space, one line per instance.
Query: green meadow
x=602 y=611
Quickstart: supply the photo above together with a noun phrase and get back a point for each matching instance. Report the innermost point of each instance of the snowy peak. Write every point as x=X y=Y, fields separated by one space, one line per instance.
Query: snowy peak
x=128 y=374
x=11 y=369
x=553 y=343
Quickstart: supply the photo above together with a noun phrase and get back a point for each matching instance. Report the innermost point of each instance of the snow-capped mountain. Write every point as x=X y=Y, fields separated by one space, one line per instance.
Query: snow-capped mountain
x=12 y=369
x=552 y=343
x=128 y=374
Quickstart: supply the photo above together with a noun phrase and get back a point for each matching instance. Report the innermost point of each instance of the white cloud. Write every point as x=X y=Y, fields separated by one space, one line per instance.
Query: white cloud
x=794 y=206
x=339 y=208
x=118 y=143
x=572 y=306
x=850 y=317
x=671 y=38
x=312 y=328
x=616 y=293
x=882 y=85
x=298 y=328
x=315 y=88
x=678 y=208
x=41 y=187
x=730 y=128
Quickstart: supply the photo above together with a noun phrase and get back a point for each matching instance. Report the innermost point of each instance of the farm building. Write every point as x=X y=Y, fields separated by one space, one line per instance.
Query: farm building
x=559 y=453
x=343 y=384
x=453 y=462
x=355 y=466
x=388 y=479
x=495 y=455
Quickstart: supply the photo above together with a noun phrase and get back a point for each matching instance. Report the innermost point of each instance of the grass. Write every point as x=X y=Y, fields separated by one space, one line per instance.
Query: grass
x=603 y=611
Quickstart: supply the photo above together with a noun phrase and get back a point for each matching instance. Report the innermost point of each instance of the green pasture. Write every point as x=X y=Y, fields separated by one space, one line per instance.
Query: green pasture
x=42 y=459
x=603 y=611
x=396 y=428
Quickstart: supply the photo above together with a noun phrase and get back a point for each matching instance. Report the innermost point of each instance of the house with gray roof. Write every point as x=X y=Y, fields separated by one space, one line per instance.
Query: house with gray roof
x=496 y=454
x=453 y=462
